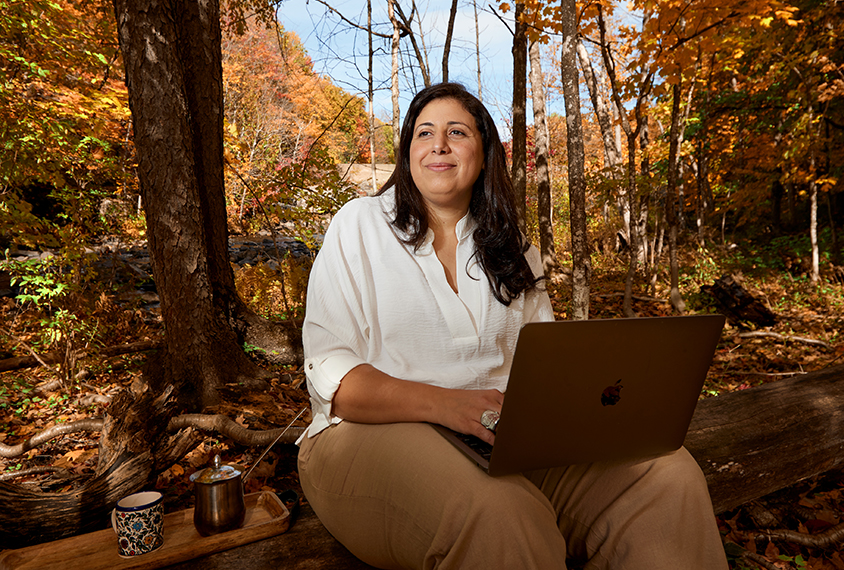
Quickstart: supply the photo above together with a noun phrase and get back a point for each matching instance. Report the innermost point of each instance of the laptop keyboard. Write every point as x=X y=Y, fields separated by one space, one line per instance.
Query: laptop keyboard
x=480 y=446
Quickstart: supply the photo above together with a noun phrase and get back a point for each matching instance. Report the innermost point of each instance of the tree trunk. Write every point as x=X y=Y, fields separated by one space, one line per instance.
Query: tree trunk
x=172 y=58
x=813 y=232
x=407 y=26
x=478 y=50
x=394 y=75
x=632 y=135
x=519 y=163
x=448 y=35
x=633 y=238
x=603 y=112
x=371 y=96
x=581 y=263
x=543 y=175
x=671 y=200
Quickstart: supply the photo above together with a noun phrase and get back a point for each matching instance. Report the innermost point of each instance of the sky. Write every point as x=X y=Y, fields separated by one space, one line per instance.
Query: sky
x=340 y=52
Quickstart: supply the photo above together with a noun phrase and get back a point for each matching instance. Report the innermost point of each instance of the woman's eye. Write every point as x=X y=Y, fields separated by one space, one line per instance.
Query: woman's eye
x=456 y=132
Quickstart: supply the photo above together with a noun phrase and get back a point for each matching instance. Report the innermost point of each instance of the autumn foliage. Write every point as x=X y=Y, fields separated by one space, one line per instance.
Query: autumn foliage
x=761 y=88
x=287 y=130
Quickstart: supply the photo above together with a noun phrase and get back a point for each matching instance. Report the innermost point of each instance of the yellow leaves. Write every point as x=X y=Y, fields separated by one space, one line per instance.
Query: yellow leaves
x=504 y=7
x=766 y=22
x=826 y=184
x=787 y=15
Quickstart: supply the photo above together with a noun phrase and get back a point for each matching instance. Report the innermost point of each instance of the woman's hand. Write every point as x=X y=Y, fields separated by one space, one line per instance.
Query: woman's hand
x=367 y=395
x=461 y=410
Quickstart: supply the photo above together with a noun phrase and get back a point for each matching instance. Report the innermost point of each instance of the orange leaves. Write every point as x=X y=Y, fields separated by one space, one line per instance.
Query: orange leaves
x=75 y=459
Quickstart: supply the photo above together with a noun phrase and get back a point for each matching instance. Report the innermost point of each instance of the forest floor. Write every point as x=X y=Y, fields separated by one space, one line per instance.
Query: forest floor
x=805 y=312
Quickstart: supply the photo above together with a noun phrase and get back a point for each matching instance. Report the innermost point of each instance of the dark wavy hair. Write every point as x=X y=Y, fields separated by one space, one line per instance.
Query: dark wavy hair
x=499 y=244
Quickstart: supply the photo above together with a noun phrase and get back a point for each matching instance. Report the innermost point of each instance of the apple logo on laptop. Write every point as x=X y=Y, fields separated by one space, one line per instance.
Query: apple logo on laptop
x=611 y=394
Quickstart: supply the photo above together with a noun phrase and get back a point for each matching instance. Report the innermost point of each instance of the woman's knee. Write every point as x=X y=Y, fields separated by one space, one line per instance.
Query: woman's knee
x=679 y=471
x=505 y=522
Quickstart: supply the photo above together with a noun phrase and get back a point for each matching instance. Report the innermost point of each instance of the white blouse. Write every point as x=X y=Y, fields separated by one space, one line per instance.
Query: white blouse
x=372 y=299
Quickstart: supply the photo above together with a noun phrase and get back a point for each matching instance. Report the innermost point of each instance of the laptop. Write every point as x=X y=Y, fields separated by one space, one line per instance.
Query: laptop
x=598 y=390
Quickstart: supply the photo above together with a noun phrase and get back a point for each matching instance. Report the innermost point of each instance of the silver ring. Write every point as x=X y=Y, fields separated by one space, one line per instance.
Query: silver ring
x=489 y=419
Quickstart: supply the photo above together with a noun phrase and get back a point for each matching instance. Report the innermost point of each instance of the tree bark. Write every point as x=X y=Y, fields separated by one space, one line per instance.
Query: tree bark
x=632 y=135
x=757 y=441
x=172 y=58
x=478 y=50
x=581 y=263
x=407 y=26
x=519 y=162
x=394 y=75
x=370 y=98
x=543 y=175
x=449 y=33
x=603 y=112
x=671 y=200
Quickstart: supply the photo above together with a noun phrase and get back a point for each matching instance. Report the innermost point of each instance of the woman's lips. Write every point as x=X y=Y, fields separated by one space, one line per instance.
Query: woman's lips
x=440 y=166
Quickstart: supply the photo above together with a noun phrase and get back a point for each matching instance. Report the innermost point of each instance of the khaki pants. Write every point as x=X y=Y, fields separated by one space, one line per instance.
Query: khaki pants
x=401 y=496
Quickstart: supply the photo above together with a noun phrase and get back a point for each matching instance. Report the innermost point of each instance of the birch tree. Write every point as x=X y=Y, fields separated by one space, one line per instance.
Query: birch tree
x=543 y=175
x=519 y=161
x=581 y=263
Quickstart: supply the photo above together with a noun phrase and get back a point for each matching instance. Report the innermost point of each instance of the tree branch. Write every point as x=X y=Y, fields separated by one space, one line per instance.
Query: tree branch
x=351 y=23
x=32 y=471
x=35 y=359
x=830 y=538
x=58 y=430
x=784 y=338
x=223 y=425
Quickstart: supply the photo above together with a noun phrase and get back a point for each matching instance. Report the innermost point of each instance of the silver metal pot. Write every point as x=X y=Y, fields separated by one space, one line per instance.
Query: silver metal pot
x=219 y=493
x=219 y=498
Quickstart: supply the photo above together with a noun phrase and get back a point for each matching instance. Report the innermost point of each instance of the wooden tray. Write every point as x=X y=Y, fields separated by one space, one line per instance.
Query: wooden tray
x=266 y=516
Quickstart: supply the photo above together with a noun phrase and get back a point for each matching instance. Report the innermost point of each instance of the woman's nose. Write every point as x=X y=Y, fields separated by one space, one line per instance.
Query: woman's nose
x=440 y=144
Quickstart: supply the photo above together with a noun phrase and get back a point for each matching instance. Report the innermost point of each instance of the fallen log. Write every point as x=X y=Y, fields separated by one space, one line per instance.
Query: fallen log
x=757 y=441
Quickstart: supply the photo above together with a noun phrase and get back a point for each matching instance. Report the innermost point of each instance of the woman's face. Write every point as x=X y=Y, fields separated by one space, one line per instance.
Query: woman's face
x=446 y=154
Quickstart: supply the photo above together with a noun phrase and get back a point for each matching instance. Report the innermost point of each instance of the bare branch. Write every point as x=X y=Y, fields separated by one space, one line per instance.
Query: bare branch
x=234 y=431
x=34 y=358
x=58 y=430
x=34 y=471
x=351 y=23
x=497 y=15
x=784 y=338
x=832 y=537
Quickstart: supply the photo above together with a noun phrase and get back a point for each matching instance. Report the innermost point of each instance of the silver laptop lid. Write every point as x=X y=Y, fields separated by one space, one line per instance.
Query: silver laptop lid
x=602 y=390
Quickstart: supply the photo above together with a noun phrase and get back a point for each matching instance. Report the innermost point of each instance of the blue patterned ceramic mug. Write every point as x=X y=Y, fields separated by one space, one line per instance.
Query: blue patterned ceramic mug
x=138 y=521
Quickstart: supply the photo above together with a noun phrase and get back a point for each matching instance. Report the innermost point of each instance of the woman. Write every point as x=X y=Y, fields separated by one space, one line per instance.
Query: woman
x=414 y=306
